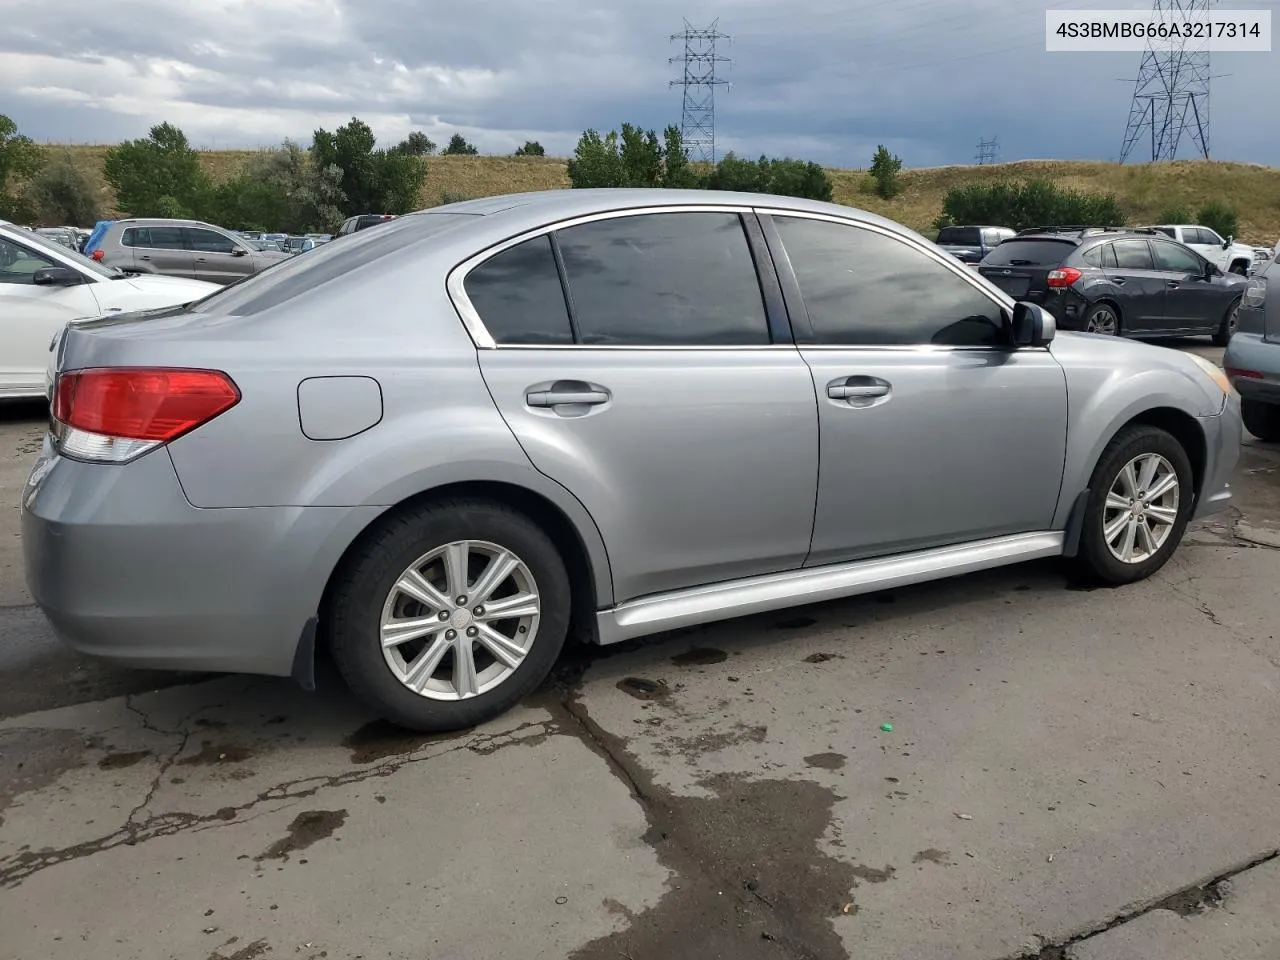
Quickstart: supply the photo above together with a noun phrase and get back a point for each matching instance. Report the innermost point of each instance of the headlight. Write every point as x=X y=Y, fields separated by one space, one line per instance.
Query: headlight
x=1255 y=294
x=1213 y=371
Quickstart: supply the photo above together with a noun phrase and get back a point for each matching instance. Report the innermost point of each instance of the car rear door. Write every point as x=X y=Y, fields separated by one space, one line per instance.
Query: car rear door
x=218 y=258
x=934 y=430
x=160 y=250
x=657 y=387
x=1193 y=302
x=1130 y=266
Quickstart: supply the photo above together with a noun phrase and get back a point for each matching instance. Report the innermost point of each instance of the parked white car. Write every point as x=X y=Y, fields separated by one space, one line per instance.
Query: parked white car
x=44 y=286
x=1227 y=255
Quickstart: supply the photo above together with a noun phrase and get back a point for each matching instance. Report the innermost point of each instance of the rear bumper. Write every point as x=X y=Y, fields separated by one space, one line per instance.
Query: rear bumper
x=1248 y=351
x=1223 y=435
x=128 y=571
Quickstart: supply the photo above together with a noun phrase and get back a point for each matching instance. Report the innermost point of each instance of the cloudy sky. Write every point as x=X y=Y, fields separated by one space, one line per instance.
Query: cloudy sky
x=824 y=79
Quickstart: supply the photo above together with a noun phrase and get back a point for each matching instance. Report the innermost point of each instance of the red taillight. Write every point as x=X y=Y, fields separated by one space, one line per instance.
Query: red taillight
x=97 y=256
x=141 y=403
x=1244 y=374
x=1063 y=277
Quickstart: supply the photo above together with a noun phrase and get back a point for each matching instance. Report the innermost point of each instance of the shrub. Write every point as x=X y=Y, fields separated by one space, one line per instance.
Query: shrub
x=1027 y=204
x=452 y=196
x=1219 y=216
x=530 y=148
x=61 y=192
x=634 y=158
x=158 y=176
x=458 y=146
x=785 y=177
x=885 y=168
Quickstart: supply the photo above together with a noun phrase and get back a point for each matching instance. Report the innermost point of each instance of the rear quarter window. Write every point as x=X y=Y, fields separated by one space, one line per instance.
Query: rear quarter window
x=1030 y=253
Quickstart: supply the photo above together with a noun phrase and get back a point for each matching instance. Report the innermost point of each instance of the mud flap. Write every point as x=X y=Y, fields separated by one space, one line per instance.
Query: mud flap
x=1075 y=524
x=304 y=658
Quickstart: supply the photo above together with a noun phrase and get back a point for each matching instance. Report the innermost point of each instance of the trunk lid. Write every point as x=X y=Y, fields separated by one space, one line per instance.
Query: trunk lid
x=1021 y=266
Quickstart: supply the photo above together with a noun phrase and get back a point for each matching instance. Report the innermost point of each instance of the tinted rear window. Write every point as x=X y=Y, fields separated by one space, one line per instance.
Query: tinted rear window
x=519 y=297
x=289 y=278
x=960 y=236
x=1030 y=253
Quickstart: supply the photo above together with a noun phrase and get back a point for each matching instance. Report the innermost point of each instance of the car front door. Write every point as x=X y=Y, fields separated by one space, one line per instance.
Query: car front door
x=934 y=430
x=1130 y=266
x=159 y=250
x=1207 y=243
x=218 y=257
x=31 y=315
x=1193 y=302
x=656 y=387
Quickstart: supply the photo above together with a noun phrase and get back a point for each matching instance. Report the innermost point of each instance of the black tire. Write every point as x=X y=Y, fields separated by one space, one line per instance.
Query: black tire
x=1093 y=313
x=1240 y=268
x=1131 y=442
x=1261 y=419
x=353 y=613
x=1227 y=327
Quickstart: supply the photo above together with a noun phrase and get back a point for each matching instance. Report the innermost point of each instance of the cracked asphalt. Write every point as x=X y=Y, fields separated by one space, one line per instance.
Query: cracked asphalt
x=1070 y=775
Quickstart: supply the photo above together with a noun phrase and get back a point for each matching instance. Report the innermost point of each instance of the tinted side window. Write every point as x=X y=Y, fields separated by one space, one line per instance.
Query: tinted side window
x=664 y=279
x=1109 y=256
x=1133 y=255
x=864 y=288
x=1092 y=257
x=207 y=241
x=1168 y=232
x=518 y=295
x=161 y=238
x=1207 y=237
x=134 y=237
x=1172 y=257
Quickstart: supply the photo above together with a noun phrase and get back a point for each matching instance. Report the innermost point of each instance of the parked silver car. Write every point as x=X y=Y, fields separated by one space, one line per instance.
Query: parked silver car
x=1252 y=359
x=183 y=248
x=596 y=412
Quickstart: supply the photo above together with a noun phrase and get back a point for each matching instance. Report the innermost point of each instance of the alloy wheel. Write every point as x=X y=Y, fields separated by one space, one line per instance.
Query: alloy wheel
x=1141 y=508
x=1102 y=321
x=460 y=620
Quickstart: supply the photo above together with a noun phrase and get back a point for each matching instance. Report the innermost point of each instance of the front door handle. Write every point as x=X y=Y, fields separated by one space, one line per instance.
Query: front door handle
x=1173 y=284
x=857 y=388
x=567 y=393
x=1118 y=281
x=143 y=256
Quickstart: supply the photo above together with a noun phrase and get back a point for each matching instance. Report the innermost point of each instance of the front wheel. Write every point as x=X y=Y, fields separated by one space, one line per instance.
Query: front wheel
x=1227 y=327
x=1140 y=499
x=447 y=615
x=1261 y=419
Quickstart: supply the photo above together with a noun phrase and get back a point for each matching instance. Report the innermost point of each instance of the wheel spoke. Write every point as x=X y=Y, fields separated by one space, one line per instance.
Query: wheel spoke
x=1147 y=541
x=1162 y=486
x=415 y=585
x=464 y=667
x=1129 y=480
x=455 y=569
x=1147 y=476
x=521 y=605
x=499 y=568
x=503 y=648
x=1130 y=535
x=402 y=631
x=1165 y=515
x=1117 y=502
x=1116 y=527
x=426 y=663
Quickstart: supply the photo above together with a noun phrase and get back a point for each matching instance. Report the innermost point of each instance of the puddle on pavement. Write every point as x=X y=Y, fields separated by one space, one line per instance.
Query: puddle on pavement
x=307 y=828
x=381 y=739
x=32 y=758
x=826 y=761
x=699 y=657
x=643 y=689
x=119 y=761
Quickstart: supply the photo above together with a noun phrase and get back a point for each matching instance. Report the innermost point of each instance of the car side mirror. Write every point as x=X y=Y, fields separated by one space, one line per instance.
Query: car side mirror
x=56 y=277
x=239 y=252
x=1227 y=242
x=1033 y=326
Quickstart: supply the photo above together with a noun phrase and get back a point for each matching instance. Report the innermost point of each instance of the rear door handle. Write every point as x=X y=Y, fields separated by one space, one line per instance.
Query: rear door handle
x=566 y=393
x=143 y=257
x=1173 y=284
x=858 y=391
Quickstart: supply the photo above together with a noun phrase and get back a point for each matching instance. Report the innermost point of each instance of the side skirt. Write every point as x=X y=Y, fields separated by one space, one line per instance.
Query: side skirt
x=738 y=598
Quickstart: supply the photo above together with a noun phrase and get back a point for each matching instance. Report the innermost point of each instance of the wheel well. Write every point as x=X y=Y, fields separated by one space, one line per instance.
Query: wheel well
x=1239 y=262
x=1107 y=301
x=550 y=518
x=1185 y=430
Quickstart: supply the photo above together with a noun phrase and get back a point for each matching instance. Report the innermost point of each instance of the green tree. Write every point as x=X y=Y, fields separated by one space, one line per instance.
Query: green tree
x=783 y=177
x=19 y=157
x=596 y=161
x=159 y=175
x=641 y=157
x=736 y=174
x=633 y=158
x=1219 y=216
x=530 y=148
x=281 y=189
x=371 y=180
x=417 y=144
x=885 y=168
x=677 y=173
x=458 y=146
x=62 y=193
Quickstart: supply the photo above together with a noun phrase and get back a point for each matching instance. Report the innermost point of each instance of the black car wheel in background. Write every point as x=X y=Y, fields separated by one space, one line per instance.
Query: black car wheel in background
x=1117 y=282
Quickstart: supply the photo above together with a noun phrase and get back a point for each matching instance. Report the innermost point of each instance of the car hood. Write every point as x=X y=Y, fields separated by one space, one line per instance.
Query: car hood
x=180 y=288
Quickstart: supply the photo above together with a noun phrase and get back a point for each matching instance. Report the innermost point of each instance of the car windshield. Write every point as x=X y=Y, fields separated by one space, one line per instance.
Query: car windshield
x=959 y=236
x=1030 y=253
x=82 y=262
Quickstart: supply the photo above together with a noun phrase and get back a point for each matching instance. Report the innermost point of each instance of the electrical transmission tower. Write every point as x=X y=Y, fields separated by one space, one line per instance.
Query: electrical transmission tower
x=988 y=151
x=1171 y=94
x=699 y=60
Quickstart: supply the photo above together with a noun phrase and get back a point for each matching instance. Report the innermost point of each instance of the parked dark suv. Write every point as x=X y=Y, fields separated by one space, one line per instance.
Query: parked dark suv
x=1109 y=280
x=971 y=244
x=363 y=222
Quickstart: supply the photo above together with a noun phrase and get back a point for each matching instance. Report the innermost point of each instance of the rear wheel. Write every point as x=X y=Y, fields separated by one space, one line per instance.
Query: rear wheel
x=1261 y=419
x=447 y=615
x=1102 y=318
x=1227 y=328
x=1140 y=499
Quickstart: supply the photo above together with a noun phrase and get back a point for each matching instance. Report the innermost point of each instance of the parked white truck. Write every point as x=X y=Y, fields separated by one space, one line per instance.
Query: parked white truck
x=1227 y=255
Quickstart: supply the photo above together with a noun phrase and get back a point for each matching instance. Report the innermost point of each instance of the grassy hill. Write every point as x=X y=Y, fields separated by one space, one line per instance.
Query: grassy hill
x=1144 y=190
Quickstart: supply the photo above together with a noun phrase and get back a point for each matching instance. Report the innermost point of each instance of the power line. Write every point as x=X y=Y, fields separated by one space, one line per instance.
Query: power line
x=1171 y=92
x=699 y=80
x=988 y=151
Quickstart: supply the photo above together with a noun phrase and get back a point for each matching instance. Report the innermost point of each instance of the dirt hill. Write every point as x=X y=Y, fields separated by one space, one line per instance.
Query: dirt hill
x=1144 y=190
